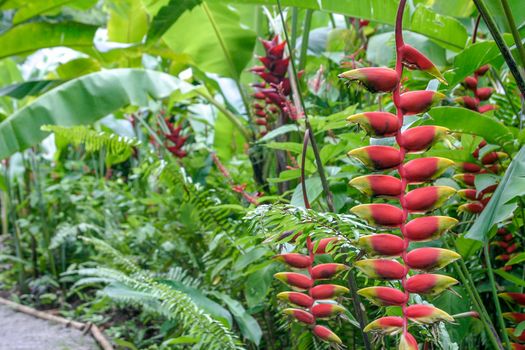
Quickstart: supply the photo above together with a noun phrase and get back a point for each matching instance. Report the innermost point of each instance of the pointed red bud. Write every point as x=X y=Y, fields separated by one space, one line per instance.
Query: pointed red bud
x=377 y=157
x=382 y=269
x=326 y=245
x=377 y=124
x=375 y=79
x=512 y=248
x=483 y=69
x=383 y=215
x=516 y=317
x=520 y=337
x=487 y=108
x=429 y=284
x=469 y=194
x=484 y=93
x=428 y=228
x=384 y=296
x=427 y=259
x=516 y=298
x=469 y=167
x=426 y=314
x=467 y=179
x=421 y=138
x=516 y=346
x=326 y=271
x=425 y=169
x=382 y=245
x=416 y=102
x=471 y=82
x=472 y=207
x=413 y=59
x=327 y=310
x=327 y=291
x=296 y=260
x=296 y=298
x=388 y=325
x=407 y=342
x=300 y=315
x=425 y=199
x=377 y=185
x=298 y=281
x=326 y=334
x=493 y=157
x=468 y=102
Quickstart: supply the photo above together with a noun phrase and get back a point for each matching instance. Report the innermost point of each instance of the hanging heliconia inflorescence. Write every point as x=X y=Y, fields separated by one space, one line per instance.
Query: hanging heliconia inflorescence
x=518 y=301
x=479 y=94
x=177 y=140
x=383 y=250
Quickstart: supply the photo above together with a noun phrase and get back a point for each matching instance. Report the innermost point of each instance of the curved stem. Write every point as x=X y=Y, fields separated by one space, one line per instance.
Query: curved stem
x=514 y=31
x=475 y=31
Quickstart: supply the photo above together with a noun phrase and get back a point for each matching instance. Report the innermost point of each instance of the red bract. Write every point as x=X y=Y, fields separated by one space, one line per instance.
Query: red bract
x=325 y=245
x=483 y=69
x=516 y=298
x=327 y=310
x=413 y=59
x=382 y=245
x=294 y=260
x=468 y=101
x=300 y=315
x=472 y=207
x=382 y=269
x=377 y=185
x=388 y=325
x=377 y=124
x=470 y=167
x=296 y=298
x=385 y=215
x=484 y=93
x=326 y=334
x=425 y=169
x=377 y=157
x=296 y=280
x=424 y=199
x=416 y=102
x=384 y=296
x=375 y=79
x=467 y=179
x=430 y=258
x=471 y=82
x=407 y=342
x=327 y=291
x=326 y=271
x=486 y=108
x=428 y=228
x=427 y=314
x=430 y=284
x=421 y=138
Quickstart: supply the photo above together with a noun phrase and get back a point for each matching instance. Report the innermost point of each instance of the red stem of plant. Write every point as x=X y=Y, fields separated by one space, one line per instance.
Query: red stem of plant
x=475 y=32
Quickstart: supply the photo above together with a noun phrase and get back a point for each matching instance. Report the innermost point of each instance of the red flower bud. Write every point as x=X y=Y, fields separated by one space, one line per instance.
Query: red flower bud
x=326 y=245
x=375 y=79
x=425 y=199
x=407 y=342
x=471 y=82
x=421 y=138
x=512 y=248
x=296 y=260
x=326 y=334
x=327 y=310
x=384 y=296
x=468 y=102
x=470 y=167
x=377 y=157
x=487 y=108
x=516 y=346
x=379 y=214
x=467 y=179
x=484 y=93
x=427 y=314
x=388 y=325
x=425 y=169
x=469 y=194
x=300 y=315
x=493 y=157
x=508 y=237
x=430 y=258
x=296 y=298
x=472 y=207
x=515 y=317
x=382 y=269
x=260 y=121
x=378 y=124
x=377 y=185
x=428 y=228
x=299 y=281
x=429 y=284
x=520 y=337
x=413 y=59
x=382 y=245
x=502 y=231
x=327 y=291
x=483 y=69
x=416 y=102
x=326 y=271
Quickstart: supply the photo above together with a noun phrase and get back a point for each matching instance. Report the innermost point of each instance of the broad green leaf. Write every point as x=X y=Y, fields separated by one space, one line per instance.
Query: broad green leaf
x=250 y=257
x=456 y=8
x=184 y=340
x=228 y=141
x=314 y=188
x=28 y=88
x=518 y=281
x=212 y=36
x=257 y=285
x=483 y=181
x=78 y=67
x=283 y=129
x=74 y=35
x=34 y=8
x=516 y=259
x=128 y=21
x=85 y=100
x=167 y=16
x=500 y=206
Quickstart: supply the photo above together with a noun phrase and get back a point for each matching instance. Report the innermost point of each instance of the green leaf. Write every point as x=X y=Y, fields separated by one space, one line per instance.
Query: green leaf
x=516 y=259
x=28 y=88
x=519 y=329
x=181 y=341
x=83 y=101
x=314 y=188
x=34 y=8
x=283 y=129
x=510 y=277
x=212 y=36
x=499 y=207
x=167 y=16
x=78 y=67
x=483 y=181
x=128 y=21
x=73 y=35
x=250 y=257
x=257 y=285
x=248 y=325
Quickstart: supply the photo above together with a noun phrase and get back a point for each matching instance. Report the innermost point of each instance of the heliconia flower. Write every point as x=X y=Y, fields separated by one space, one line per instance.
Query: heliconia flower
x=296 y=298
x=508 y=237
x=425 y=199
x=296 y=260
x=385 y=215
x=375 y=79
x=325 y=245
x=296 y=280
x=469 y=167
x=413 y=59
x=472 y=207
x=500 y=244
x=325 y=310
x=489 y=189
x=467 y=179
x=520 y=337
x=468 y=101
x=407 y=342
x=484 y=93
x=300 y=315
x=382 y=269
x=326 y=271
x=482 y=70
x=503 y=257
x=493 y=157
x=416 y=102
x=493 y=168
x=469 y=194
x=516 y=346
x=430 y=284
x=471 y=82
x=512 y=248
x=426 y=314
x=515 y=317
x=326 y=334
x=487 y=108
x=425 y=169
x=382 y=245
x=428 y=228
x=377 y=157
x=516 y=298
x=378 y=124
x=427 y=259
x=421 y=138
x=377 y=185
x=327 y=291
x=388 y=325
x=384 y=296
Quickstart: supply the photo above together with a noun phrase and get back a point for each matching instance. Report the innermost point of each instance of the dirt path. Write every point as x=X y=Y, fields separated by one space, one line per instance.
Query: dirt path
x=19 y=331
